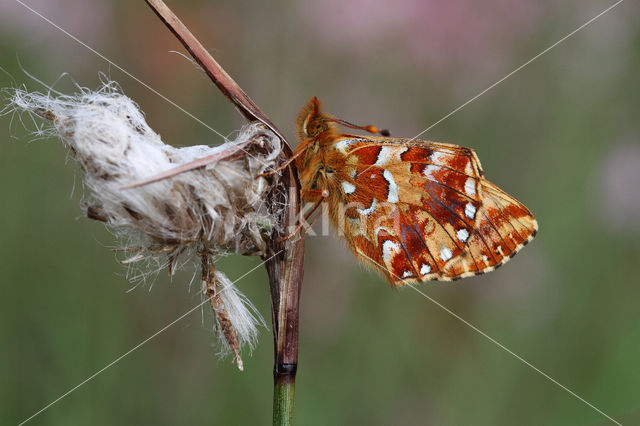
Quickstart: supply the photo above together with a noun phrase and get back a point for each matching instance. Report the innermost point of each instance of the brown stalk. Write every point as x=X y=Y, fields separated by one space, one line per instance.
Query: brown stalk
x=216 y=73
x=284 y=257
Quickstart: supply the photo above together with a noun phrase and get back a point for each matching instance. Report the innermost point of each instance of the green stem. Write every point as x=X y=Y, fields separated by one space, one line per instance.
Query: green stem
x=283 y=392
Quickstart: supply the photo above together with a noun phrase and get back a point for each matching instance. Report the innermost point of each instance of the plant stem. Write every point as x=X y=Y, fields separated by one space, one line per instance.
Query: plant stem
x=285 y=271
x=283 y=393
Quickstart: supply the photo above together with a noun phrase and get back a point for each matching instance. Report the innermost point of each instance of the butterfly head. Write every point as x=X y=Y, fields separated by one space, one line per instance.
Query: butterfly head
x=312 y=121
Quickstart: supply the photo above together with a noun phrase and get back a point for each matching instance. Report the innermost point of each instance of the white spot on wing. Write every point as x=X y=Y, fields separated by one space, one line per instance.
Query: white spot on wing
x=393 y=187
x=437 y=157
x=386 y=153
x=470 y=186
x=369 y=209
x=470 y=211
x=389 y=154
x=389 y=249
x=407 y=274
x=468 y=169
x=445 y=253
x=429 y=170
x=348 y=187
x=463 y=234
x=343 y=144
x=425 y=269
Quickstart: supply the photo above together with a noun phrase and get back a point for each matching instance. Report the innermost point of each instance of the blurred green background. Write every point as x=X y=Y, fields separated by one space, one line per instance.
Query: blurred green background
x=562 y=135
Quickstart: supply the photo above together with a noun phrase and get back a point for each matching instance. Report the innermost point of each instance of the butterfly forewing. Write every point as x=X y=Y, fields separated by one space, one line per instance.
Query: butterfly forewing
x=425 y=211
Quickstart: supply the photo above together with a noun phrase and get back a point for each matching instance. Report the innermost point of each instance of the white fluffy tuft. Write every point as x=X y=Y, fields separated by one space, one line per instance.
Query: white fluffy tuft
x=222 y=205
x=244 y=316
x=218 y=209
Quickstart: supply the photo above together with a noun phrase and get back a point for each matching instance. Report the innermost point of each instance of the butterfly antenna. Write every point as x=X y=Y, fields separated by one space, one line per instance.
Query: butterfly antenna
x=370 y=129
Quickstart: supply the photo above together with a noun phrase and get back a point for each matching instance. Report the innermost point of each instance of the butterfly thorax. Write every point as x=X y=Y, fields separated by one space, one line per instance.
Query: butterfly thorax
x=316 y=161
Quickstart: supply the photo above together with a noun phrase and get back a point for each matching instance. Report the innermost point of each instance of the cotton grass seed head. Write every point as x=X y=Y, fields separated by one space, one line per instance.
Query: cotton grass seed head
x=237 y=319
x=215 y=209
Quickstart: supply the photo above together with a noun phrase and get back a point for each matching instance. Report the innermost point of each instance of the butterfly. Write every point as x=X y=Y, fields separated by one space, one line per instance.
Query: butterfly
x=413 y=210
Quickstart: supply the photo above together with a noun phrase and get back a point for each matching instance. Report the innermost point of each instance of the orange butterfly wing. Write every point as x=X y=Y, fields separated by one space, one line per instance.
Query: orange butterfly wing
x=420 y=211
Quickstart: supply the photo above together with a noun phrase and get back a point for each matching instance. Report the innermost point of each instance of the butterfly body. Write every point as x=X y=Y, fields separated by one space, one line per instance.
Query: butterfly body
x=413 y=210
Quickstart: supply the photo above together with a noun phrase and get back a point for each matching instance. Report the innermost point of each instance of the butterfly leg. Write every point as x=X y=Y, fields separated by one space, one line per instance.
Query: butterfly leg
x=300 y=149
x=323 y=194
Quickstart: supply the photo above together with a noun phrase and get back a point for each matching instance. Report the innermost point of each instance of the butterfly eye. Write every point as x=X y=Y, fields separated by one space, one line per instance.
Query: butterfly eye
x=314 y=184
